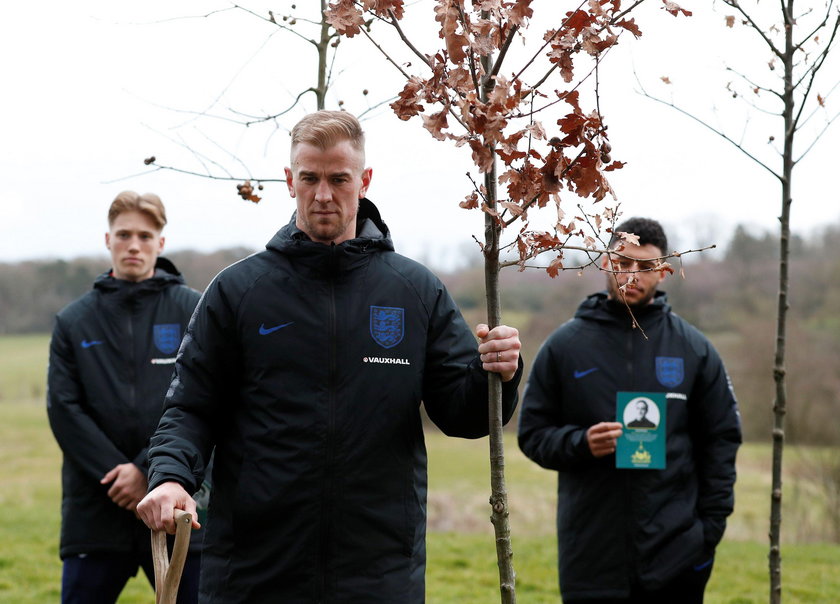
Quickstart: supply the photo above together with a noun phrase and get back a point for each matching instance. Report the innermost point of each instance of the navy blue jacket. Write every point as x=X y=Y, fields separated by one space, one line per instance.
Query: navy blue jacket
x=111 y=359
x=617 y=526
x=305 y=365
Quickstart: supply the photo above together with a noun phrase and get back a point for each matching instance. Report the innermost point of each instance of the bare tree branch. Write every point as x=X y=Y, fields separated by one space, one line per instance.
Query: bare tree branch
x=755 y=86
x=626 y=11
x=230 y=83
x=130 y=176
x=815 y=68
x=200 y=158
x=190 y=17
x=234 y=157
x=706 y=125
x=210 y=176
x=817 y=138
x=820 y=106
x=756 y=27
x=600 y=252
x=375 y=106
x=268 y=118
x=385 y=54
x=817 y=28
x=291 y=30
x=503 y=51
x=396 y=25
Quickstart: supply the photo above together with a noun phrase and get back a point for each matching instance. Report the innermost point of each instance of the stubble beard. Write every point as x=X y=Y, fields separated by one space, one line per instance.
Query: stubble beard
x=619 y=296
x=325 y=231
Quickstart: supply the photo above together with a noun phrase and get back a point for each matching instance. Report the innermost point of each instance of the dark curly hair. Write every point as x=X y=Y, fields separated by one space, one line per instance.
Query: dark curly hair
x=646 y=229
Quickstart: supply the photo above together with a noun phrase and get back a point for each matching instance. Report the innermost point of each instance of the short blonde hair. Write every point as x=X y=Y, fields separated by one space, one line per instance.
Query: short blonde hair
x=324 y=129
x=147 y=203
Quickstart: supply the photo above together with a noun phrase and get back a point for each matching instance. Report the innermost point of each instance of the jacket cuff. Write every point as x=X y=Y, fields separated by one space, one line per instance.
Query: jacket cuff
x=172 y=473
x=713 y=529
x=511 y=387
x=142 y=461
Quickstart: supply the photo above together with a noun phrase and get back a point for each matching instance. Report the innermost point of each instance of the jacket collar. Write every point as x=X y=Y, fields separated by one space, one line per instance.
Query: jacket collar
x=372 y=235
x=165 y=275
x=371 y=230
x=599 y=307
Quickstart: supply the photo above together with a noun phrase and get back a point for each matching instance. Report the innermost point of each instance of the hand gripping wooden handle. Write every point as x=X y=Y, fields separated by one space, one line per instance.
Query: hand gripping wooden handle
x=168 y=572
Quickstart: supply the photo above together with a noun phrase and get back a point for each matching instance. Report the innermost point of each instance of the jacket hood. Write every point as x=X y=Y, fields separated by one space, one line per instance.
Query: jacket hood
x=371 y=233
x=598 y=307
x=165 y=275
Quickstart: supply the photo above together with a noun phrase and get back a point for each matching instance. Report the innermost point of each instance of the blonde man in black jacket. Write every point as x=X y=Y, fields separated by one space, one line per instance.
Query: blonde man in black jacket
x=111 y=358
x=306 y=365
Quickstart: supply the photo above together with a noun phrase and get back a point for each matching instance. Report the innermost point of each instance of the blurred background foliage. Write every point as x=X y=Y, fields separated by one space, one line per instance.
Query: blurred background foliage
x=729 y=294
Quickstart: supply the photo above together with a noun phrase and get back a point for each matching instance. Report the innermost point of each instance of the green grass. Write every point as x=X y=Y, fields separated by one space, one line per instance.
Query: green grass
x=462 y=564
x=461 y=553
x=30 y=500
x=23 y=366
x=462 y=568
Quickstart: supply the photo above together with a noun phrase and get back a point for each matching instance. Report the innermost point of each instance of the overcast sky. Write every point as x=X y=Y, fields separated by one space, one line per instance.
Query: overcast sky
x=91 y=88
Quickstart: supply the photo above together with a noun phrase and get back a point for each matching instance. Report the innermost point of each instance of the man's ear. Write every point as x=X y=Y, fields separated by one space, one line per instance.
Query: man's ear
x=367 y=176
x=662 y=273
x=290 y=182
x=162 y=243
x=108 y=240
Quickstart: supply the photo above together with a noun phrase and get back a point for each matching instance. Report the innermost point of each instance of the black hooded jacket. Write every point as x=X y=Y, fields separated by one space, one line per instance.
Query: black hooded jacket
x=305 y=365
x=111 y=359
x=618 y=526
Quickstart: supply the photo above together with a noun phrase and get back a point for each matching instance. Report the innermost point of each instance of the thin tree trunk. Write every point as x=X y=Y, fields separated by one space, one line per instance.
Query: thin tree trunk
x=498 y=496
x=322 y=46
x=780 y=404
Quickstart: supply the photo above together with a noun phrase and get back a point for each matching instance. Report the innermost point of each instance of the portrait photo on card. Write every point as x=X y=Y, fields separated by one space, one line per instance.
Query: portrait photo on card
x=641 y=413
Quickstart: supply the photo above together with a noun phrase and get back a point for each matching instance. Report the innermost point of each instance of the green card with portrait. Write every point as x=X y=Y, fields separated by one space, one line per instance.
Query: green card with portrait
x=641 y=445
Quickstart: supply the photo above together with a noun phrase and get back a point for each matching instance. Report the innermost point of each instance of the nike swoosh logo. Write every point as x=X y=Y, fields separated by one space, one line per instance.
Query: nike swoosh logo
x=264 y=331
x=580 y=374
x=86 y=344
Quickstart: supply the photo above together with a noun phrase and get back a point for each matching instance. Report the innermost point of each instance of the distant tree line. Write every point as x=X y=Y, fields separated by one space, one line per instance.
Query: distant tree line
x=730 y=298
x=32 y=291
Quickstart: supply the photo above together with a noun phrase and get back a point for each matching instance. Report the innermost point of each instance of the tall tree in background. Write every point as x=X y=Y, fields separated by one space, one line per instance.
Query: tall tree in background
x=325 y=40
x=797 y=38
x=301 y=25
x=531 y=118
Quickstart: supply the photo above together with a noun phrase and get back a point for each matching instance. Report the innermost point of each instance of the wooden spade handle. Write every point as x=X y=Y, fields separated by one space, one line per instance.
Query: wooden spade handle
x=168 y=572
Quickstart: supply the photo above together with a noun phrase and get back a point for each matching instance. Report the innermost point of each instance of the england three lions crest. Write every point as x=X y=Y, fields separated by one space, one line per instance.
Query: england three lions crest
x=167 y=337
x=387 y=325
x=670 y=371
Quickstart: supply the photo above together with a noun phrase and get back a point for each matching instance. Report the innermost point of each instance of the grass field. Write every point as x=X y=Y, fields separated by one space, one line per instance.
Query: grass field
x=461 y=551
x=23 y=366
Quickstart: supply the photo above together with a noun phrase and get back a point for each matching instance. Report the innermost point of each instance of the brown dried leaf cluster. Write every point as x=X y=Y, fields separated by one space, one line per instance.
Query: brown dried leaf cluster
x=246 y=191
x=496 y=115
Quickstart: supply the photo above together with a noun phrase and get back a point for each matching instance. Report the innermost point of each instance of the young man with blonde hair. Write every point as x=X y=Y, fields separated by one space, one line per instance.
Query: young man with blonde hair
x=111 y=358
x=305 y=366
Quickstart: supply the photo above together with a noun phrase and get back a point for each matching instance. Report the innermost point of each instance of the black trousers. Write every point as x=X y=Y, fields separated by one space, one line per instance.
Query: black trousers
x=686 y=588
x=100 y=578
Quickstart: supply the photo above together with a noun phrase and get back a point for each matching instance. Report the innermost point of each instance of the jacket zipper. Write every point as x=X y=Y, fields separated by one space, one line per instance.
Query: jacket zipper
x=132 y=360
x=628 y=483
x=326 y=508
x=630 y=358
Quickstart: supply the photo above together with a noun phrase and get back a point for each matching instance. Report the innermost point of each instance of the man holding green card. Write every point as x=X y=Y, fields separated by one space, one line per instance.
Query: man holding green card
x=642 y=426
